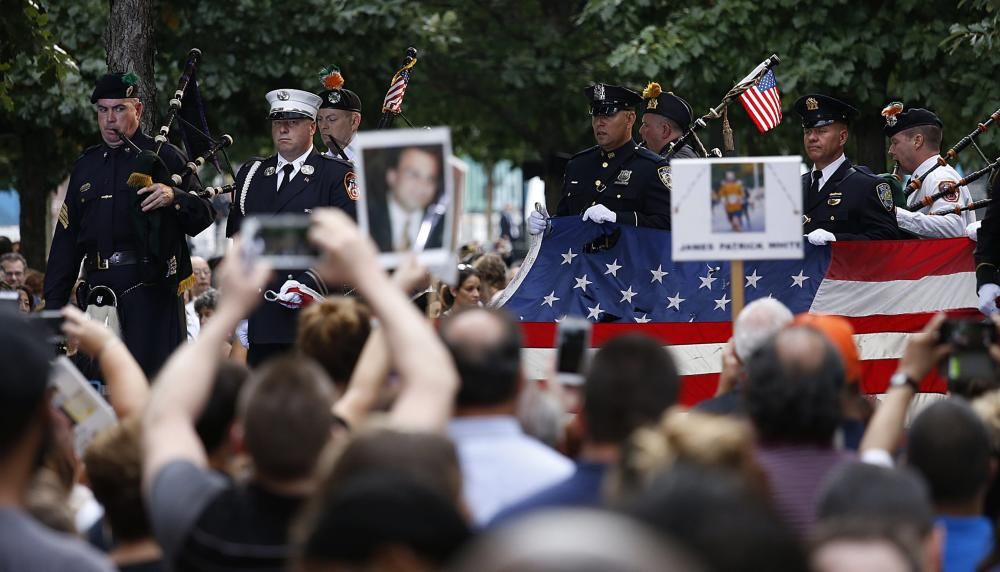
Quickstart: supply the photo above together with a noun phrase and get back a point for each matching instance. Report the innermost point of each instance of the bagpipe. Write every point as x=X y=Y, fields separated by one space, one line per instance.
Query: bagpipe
x=719 y=111
x=953 y=188
x=186 y=108
x=943 y=159
x=161 y=243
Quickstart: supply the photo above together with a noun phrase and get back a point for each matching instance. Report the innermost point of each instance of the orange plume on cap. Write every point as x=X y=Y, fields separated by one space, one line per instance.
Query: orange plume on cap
x=332 y=78
x=892 y=109
x=652 y=91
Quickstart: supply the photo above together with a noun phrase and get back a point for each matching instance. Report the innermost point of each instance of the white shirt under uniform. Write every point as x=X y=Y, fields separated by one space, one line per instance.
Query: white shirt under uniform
x=926 y=225
x=296 y=167
x=350 y=151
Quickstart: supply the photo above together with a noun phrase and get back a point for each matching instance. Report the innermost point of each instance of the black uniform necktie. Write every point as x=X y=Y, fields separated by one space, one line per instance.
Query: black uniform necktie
x=287 y=170
x=817 y=175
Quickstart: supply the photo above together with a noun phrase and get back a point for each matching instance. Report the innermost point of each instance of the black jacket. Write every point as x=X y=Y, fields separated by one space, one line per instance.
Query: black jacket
x=853 y=205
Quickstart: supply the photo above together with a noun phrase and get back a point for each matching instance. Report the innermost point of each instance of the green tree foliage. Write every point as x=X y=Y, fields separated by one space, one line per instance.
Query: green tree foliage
x=45 y=113
x=980 y=35
x=505 y=75
x=867 y=52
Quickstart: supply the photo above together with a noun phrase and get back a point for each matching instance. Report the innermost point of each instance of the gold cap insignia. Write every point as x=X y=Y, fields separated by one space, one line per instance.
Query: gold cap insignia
x=652 y=103
x=812 y=104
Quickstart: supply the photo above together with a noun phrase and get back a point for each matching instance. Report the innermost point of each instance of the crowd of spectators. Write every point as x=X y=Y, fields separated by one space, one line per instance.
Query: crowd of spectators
x=402 y=434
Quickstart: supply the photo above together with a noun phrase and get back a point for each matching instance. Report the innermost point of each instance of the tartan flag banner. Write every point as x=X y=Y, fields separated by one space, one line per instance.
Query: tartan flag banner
x=622 y=279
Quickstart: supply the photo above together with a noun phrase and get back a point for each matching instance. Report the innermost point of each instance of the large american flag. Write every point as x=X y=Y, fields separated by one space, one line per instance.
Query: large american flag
x=886 y=289
x=763 y=102
x=394 y=97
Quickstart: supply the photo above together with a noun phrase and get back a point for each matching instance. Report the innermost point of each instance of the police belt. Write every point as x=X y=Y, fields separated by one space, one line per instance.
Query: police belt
x=124 y=258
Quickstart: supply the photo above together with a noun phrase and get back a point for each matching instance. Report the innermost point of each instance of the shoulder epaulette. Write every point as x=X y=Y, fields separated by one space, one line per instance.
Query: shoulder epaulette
x=88 y=151
x=585 y=151
x=866 y=171
x=344 y=162
x=647 y=154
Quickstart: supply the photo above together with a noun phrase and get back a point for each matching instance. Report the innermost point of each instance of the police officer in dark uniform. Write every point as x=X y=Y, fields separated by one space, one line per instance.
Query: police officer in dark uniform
x=840 y=201
x=617 y=180
x=665 y=117
x=988 y=253
x=131 y=239
x=297 y=179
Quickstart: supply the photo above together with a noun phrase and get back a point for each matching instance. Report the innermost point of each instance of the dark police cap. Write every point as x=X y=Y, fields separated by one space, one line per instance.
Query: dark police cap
x=818 y=110
x=667 y=104
x=904 y=120
x=115 y=86
x=335 y=96
x=610 y=99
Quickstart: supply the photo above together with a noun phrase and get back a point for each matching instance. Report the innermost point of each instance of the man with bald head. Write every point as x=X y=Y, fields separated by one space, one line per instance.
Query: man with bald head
x=500 y=464
x=792 y=396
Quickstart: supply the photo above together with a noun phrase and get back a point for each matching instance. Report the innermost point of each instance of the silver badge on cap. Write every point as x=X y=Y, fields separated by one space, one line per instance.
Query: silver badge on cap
x=333 y=96
x=599 y=92
x=283 y=95
x=307 y=169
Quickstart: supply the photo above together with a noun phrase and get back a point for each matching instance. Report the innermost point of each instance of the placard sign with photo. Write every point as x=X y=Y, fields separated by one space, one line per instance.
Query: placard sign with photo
x=736 y=208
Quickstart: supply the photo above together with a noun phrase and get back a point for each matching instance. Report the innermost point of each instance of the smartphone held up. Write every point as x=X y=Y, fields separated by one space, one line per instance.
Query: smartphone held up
x=969 y=365
x=280 y=240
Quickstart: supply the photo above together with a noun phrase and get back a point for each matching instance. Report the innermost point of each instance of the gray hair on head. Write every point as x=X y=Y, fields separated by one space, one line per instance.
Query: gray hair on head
x=757 y=323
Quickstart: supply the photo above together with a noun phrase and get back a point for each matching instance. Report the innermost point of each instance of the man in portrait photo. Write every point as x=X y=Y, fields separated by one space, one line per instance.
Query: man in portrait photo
x=413 y=182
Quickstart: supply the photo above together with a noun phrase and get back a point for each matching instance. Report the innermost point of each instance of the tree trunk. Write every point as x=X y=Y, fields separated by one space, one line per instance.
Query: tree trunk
x=33 y=188
x=130 y=42
x=488 y=208
x=555 y=168
x=869 y=142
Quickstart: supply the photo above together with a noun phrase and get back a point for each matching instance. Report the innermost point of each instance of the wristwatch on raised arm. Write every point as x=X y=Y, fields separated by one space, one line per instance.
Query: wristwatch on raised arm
x=900 y=379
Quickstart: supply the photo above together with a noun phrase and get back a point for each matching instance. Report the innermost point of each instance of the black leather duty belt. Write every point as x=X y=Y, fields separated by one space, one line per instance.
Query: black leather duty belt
x=96 y=262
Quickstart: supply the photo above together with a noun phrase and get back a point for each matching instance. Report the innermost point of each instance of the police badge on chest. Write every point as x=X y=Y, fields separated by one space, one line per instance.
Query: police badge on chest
x=623 y=177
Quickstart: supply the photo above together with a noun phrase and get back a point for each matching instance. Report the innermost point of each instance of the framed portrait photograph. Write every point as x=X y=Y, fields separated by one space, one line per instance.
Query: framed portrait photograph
x=736 y=208
x=407 y=201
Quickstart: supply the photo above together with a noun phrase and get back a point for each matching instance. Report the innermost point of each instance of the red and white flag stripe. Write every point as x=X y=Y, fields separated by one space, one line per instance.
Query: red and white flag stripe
x=887 y=290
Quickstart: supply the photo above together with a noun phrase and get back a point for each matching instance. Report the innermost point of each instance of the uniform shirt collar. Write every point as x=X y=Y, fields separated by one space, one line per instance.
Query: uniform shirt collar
x=351 y=151
x=296 y=163
x=626 y=148
x=927 y=165
x=140 y=139
x=830 y=169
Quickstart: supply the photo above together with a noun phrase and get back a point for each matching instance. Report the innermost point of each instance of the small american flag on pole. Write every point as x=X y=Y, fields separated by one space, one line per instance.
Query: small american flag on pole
x=763 y=102
x=394 y=97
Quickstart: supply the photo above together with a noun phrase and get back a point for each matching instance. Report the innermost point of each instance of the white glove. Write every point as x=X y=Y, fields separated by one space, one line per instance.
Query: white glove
x=972 y=231
x=537 y=221
x=988 y=298
x=296 y=295
x=821 y=236
x=600 y=214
